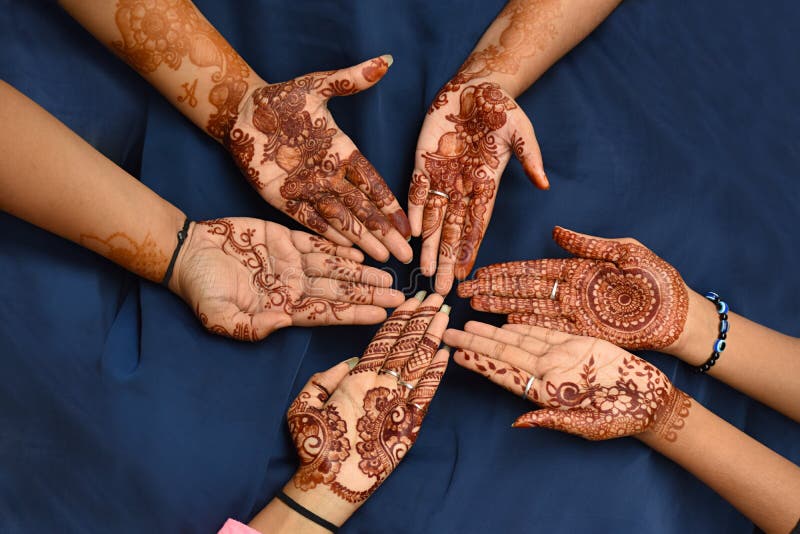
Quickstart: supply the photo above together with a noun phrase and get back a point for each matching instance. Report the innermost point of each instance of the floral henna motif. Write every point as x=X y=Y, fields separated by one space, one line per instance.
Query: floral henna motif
x=598 y=411
x=145 y=259
x=256 y=258
x=165 y=32
x=319 y=436
x=460 y=167
x=531 y=27
x=387 y=431
x=316 y=187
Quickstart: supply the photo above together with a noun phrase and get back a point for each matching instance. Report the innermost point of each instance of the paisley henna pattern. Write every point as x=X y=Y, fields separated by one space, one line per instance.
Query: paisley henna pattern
x=321 y=442
x=368 y=410
x=620 y=292
x=531 y=27
x=145 y=259
x=165 y=32
x=461 y=167
x=263 y=280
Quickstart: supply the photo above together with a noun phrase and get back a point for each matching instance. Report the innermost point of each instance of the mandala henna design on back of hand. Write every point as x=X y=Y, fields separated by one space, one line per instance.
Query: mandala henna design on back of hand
x=165 y=32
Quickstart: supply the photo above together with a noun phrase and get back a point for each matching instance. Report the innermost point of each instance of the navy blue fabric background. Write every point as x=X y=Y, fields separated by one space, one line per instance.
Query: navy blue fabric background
x=675 y=122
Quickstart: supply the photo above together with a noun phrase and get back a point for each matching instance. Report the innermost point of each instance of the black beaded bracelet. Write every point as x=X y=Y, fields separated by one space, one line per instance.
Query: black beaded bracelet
x=719 y=344
x=181 y=238
x=305 y=512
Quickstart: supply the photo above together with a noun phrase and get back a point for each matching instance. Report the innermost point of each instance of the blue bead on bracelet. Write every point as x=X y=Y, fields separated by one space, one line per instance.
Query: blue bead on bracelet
x=720 y=343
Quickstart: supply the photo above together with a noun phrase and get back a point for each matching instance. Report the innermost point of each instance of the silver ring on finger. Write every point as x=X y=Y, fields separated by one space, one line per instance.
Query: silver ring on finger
x=554 y=291
x=405 y=384
x=417 y=406
x=528 y=387
x=439 y=193
x=389 y=372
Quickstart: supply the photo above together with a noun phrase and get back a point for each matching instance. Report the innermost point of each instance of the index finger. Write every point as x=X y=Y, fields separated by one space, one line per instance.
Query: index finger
x=364 y=176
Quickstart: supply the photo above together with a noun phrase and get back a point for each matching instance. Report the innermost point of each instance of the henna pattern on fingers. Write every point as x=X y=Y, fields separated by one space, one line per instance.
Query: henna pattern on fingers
x=461 y=167
x=636 y=300
x=382 y=342
x=531 y=27
x=145 y=259
x=514 y=379
x=165 y=32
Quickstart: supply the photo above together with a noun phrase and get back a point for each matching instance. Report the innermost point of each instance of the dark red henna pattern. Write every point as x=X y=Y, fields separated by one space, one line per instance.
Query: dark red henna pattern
x=319 y=436
x=382 y=342
x=406 y=345
x=461 y=167
x=165 y=32
x=620 y=292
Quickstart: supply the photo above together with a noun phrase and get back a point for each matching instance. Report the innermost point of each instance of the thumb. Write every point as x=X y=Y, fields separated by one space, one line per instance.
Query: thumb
x=355 y=79
x=582 y=422
x=526 y=148
x=587 y=246
x=321 y=386
x=266 y=322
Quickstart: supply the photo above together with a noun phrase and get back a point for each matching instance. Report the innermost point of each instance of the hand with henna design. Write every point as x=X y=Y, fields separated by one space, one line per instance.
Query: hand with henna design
x=614 y=289
x=587 y=386
x=246 y=278
x=288 y=146
x=352 y=425
x=463 y=148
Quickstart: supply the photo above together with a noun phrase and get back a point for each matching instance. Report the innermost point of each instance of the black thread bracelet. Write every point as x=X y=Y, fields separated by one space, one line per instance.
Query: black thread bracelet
x=720 y=343
x=305 y=512
x=181 y=238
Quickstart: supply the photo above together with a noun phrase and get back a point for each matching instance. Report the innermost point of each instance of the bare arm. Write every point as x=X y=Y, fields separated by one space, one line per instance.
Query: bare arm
x=54 y=179
x=758 y=482
x=758 y=361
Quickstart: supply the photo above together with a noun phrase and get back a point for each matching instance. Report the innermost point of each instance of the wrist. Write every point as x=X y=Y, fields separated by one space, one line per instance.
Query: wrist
x=669 y=421
x=175 y=281
x=694 y=345
x=322 y=502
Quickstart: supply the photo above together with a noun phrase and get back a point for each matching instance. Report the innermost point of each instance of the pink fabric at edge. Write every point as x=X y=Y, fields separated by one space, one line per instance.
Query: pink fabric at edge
x=232 y=526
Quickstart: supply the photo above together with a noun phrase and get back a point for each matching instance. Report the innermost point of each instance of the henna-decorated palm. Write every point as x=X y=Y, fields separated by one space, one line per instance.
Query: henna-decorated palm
x=245 y=278
x=616 y=289
x=463 y=148
x=588 y=386
x=288 y=146
x=352 y=429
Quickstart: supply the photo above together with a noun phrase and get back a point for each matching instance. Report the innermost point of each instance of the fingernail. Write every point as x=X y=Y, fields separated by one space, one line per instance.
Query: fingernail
x=388 y=59
x=409 y=260
x=420 y=296
x=445 y=309
x=409 y=239
x=447 y=348
x=352 y=362
x=546 y=181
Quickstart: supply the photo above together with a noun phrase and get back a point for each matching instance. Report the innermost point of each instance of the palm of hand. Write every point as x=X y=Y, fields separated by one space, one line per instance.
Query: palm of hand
x=246 y=278
x=463 y=148
x=289 y=147
x=617 y=290
x=598 y=391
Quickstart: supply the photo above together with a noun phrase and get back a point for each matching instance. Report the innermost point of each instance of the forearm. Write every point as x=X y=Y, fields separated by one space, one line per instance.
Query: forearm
x=528 y=36
x=176 y=49
x=53 y=179
x=760 y=483
x=759 y=362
